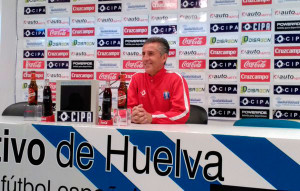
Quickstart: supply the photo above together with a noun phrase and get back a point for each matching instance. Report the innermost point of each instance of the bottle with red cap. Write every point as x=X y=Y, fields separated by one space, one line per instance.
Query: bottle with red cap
x=107 y=102
x=33 y=90
x=47 y=100
x=122 y=92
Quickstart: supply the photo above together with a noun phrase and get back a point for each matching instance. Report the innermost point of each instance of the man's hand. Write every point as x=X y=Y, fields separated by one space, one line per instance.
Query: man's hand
x=140 y=115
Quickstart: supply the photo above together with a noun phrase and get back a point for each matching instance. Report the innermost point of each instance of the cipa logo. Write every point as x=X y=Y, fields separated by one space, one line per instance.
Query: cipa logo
x=287 y=38
x=256 y=26
x=33 y=54
x=35 y=10
x=286 y=114
x=286 y=90
x=223 y=88
x=187 y=4
x=34 y=32
x=224 y=27
x=72 y=116
x=222 y=112
x=222 y=64
x=111 y=42
x=255 y=101
x=57 y=64
x=112 y=7
x=286 y=63
x=166 y=29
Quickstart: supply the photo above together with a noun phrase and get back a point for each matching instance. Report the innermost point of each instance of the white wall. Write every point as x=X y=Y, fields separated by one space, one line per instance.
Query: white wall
x=8 y=43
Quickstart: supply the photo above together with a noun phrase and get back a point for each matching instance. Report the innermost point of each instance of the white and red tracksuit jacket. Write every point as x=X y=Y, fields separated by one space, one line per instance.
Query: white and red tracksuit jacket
x=164 y=95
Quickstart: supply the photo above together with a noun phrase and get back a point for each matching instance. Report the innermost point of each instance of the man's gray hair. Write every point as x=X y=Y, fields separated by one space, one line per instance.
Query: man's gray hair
x=164 y=45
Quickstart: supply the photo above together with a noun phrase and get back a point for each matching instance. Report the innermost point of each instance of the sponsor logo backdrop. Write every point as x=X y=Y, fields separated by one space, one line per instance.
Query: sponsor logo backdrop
x=249 y=49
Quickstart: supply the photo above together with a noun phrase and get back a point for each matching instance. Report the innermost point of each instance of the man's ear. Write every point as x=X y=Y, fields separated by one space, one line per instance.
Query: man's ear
x=165 y=57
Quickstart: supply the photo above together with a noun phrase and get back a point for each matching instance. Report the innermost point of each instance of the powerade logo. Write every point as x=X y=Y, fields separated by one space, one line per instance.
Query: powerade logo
x=255 y=101
x=112 y=7
x=254 y=113
x=166 y=29
x=287 y=63
x=256 y=26
x=222 y=112
x=34 y=32
x=286 y=114
x=35 y=10
x=222 y=88
x=286 y=90
x=57 y=64
x=109 y=42
x=287 y=25
x=33 y=54
x=224 y=27
x=187 y=4
x=58 y=1
x=82 y=64
x=287 y=38
x=222 y=64
x=134 y=42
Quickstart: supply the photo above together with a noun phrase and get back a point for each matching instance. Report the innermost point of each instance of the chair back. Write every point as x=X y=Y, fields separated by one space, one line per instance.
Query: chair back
x=198 y=115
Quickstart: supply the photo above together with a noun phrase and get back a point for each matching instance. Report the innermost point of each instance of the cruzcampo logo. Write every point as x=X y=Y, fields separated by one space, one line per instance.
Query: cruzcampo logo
x=213 y=40
x=35 y=1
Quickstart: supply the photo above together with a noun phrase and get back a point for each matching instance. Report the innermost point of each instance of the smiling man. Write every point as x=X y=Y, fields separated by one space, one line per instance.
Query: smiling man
x=158 y=95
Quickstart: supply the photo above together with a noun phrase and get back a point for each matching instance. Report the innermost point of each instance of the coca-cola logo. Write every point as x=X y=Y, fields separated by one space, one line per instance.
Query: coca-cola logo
x=103 y=76
x=192 y=64
x=33 y=64
x=192 y=41
x=256 y=64
x=133 y=64
x=128 y=75
x=52 y=86
x=58 y=32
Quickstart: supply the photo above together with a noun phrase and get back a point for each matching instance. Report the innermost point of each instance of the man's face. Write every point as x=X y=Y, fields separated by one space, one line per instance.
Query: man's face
x=152 y=59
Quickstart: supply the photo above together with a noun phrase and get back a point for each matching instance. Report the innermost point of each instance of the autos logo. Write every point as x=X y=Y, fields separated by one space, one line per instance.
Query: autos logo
x=83 y=31
x=186 y=4
x=35 y=10
x=251 y=14
x=82 y=54
x=112 y=7
x=284 y=77
x=192 y=41
x=37 y=21
x=222 y=112
x=39 y=75
x=82 y=75
x=136 y=30
x=83 y=21
x=222 y=76
x=133 y=64
x=57 y=64
x=224 y=27
x=109 y=53
x=286 y=114
x=34 y=32
x=286 y=90
x=33 y=64
x=222 y=64
x=134 y=42
x=103 y=76
x=224 y=15
x=109 y=19
x=136 y=19
x=287 y=12
x=255 y=101
x=255 y=77
x=256 y=2
x=223 y=52
x=186 y=53
x=58 y=21
x=82 y=64
x=167 y=29
x=33 y=54
x=256 y=26
x=132 y=53
x=287 y=51
x=223 y=88
x=58 y=32
x=287 y=38
x=256 y=64
x=112 y=42
x=286 y=63
x=287 y=25
x=192 y=64
x=163 y=5
x=160 y=18
x=58 y=54
x=86 y=8
x=253 y=51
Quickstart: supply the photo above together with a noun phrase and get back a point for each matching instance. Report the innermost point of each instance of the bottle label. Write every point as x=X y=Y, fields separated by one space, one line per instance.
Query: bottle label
x=106 y=99
x=32 y=95
x=121 y=98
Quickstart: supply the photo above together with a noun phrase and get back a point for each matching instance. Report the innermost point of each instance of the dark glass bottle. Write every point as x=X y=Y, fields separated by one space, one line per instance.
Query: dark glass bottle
x=33 y=90
x=107 y=102
x=47 y=100
x=122 y=92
